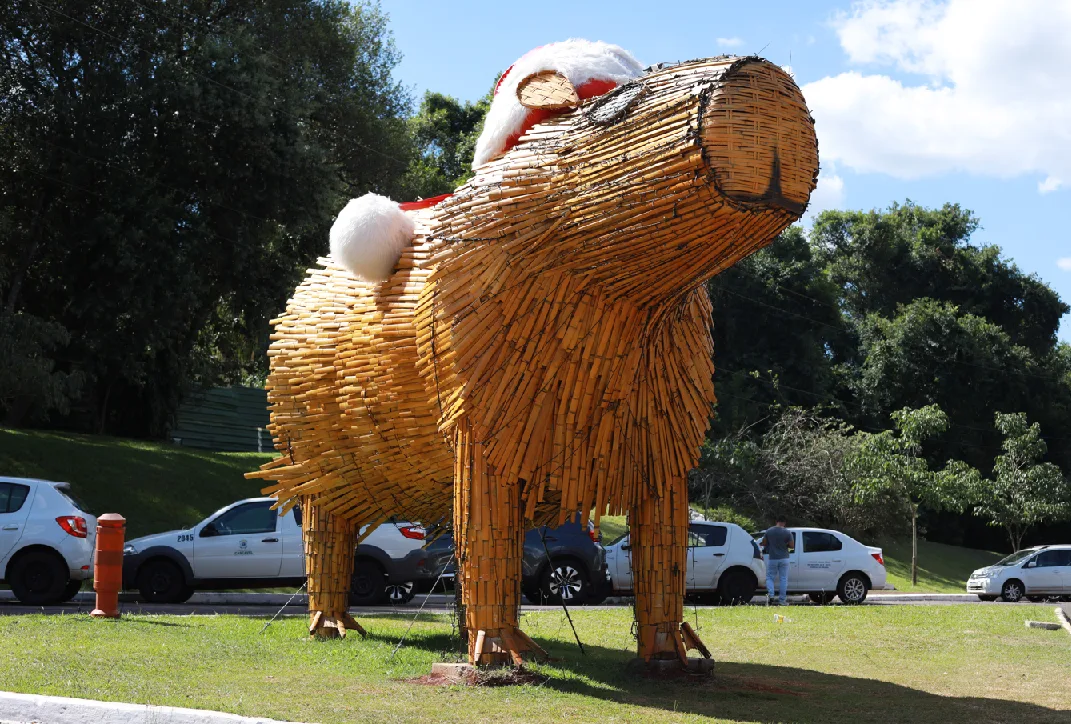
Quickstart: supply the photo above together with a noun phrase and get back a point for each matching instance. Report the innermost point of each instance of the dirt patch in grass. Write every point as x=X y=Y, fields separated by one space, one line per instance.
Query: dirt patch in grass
x=487 y=678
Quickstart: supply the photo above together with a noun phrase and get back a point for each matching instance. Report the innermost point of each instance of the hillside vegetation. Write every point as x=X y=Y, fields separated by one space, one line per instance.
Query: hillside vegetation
x=155 y=486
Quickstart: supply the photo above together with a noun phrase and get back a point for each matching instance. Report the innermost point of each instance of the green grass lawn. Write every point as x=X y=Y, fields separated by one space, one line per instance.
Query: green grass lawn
x=831 y=664
x=155 y=486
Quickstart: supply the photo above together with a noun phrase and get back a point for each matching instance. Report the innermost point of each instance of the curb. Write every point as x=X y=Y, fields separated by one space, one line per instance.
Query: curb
x=38 y=709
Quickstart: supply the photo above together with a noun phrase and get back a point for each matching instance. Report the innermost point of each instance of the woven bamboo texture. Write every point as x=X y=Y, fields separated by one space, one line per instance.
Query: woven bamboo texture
x=543 y=347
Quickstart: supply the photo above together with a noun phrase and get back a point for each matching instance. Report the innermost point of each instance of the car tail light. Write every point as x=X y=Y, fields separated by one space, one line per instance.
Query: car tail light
x=877 y=557
x=74 y=525
x=592 y=534
x=412 y=531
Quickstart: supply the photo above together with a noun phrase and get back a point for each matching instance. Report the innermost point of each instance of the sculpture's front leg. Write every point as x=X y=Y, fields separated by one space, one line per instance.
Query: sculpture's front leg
x=489 y=539
x=658 y=528
x=330 y=542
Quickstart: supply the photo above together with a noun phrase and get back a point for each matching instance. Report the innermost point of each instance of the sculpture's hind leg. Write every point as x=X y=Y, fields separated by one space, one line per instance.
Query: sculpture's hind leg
x=659 y=539
x=489 y=539
x=329 y=547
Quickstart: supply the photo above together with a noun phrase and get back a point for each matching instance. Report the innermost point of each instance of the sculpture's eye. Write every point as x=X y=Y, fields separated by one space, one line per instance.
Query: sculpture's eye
x=613 y=106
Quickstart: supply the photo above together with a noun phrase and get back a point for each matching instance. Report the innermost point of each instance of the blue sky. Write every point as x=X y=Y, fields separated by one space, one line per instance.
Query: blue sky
x=966 y=101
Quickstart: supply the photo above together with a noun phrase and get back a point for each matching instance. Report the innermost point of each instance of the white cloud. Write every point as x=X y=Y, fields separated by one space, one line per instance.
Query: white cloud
x=993 y=96
x=829 y=194
x=1050 y=184
x=733 y=42
x=1064 y=263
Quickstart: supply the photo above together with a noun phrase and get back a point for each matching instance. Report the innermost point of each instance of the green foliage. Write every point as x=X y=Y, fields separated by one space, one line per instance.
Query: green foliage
x=775 y=314
x=169 y=170
x=800 y=467
x=891 y=463
x=445 y=130
x=30 y=384
x=1023 y=491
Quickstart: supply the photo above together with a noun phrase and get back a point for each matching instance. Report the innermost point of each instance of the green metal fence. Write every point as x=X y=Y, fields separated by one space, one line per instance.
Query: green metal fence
x=224 y=418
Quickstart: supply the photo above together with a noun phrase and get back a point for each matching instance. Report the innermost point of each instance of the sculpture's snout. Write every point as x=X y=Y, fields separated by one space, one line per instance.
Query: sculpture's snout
x=758 y=137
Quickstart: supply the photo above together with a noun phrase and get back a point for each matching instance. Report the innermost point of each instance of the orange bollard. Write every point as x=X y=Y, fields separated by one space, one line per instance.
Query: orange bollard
x=108 y=564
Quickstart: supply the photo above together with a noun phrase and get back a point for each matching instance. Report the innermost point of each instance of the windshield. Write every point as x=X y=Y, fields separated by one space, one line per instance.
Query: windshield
x=1016 y=557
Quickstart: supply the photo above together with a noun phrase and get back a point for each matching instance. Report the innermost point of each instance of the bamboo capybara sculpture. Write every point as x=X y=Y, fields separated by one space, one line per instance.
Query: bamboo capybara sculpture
x=537 y=344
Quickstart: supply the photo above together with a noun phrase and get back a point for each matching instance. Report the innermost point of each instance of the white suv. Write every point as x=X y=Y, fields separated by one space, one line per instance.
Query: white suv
x=724 y=563
x=1032 y=573
x=46 y=540
x=827 y=563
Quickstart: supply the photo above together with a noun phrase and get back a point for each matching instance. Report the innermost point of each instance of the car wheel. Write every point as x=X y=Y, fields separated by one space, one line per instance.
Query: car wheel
x=736 y=588
x=72 y=589
x=367 y=585
x=39 y=578
x=400 y=593
x=1012 y=591
x=852 y=589
x=161 y=581
x=822 y=599
x=565 y=582
x=982 y=597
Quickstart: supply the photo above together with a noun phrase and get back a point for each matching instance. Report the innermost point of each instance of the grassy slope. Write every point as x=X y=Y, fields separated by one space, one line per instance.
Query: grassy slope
x=942 y=568
x=157 y=487
x=831 y=664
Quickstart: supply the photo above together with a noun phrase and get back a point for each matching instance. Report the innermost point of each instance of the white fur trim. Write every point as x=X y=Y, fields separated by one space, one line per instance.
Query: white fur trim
x=369 y=235
x=578 y=60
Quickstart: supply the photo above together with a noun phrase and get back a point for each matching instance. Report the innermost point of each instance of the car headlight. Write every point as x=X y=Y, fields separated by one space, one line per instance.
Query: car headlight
x=129 y=550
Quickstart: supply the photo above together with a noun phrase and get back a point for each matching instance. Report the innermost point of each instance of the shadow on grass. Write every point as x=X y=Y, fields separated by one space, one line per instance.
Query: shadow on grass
x=755 y=692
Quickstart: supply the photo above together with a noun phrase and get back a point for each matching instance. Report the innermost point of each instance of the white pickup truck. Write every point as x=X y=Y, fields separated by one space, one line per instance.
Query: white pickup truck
x=248 y=545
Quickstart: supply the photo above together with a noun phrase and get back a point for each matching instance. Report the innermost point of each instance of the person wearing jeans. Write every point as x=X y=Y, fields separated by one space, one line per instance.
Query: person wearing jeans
x=778 y=543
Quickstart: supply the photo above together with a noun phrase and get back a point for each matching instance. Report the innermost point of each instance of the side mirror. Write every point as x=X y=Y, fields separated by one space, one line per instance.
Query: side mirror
x=209 y=530
x=626 y=547
x=1032 y=563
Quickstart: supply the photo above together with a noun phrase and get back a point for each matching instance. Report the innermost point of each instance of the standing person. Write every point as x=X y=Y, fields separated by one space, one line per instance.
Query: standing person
x=778 y=542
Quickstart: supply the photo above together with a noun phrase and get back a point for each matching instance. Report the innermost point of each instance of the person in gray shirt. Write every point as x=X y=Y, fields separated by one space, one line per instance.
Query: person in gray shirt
x=778 y=542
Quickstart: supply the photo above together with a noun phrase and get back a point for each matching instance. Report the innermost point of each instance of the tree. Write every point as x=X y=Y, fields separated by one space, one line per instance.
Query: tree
x=445 y=132
x=168 y=170
x=1023 y=491
x=890 y=463
x=775 y=318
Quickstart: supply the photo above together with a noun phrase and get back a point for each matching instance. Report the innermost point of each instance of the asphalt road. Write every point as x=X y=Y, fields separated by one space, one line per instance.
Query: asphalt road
x=436 y=603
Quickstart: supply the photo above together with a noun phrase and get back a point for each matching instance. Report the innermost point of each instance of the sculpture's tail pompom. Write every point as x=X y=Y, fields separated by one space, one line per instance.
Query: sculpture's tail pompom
x=369 y=235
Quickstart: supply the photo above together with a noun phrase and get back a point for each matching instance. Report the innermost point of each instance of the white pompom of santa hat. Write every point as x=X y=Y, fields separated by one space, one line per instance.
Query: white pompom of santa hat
x=580 y=61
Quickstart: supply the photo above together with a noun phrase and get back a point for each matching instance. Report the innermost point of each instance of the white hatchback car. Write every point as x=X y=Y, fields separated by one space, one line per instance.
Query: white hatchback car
x=724 y=563
x=46 y=540
x=1032 y=573
x=827 y=563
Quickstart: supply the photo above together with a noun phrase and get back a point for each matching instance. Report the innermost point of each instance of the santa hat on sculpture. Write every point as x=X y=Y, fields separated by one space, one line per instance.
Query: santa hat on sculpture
x=370 y=232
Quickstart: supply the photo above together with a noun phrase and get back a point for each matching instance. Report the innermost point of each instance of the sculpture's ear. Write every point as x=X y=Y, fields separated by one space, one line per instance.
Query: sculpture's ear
x=547 y=90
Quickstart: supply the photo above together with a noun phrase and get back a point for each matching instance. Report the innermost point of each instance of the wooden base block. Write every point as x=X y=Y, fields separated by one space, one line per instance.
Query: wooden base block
x=455 y=673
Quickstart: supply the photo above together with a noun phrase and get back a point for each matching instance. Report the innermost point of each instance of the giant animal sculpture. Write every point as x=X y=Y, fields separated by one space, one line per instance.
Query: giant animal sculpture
x=538 y=344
